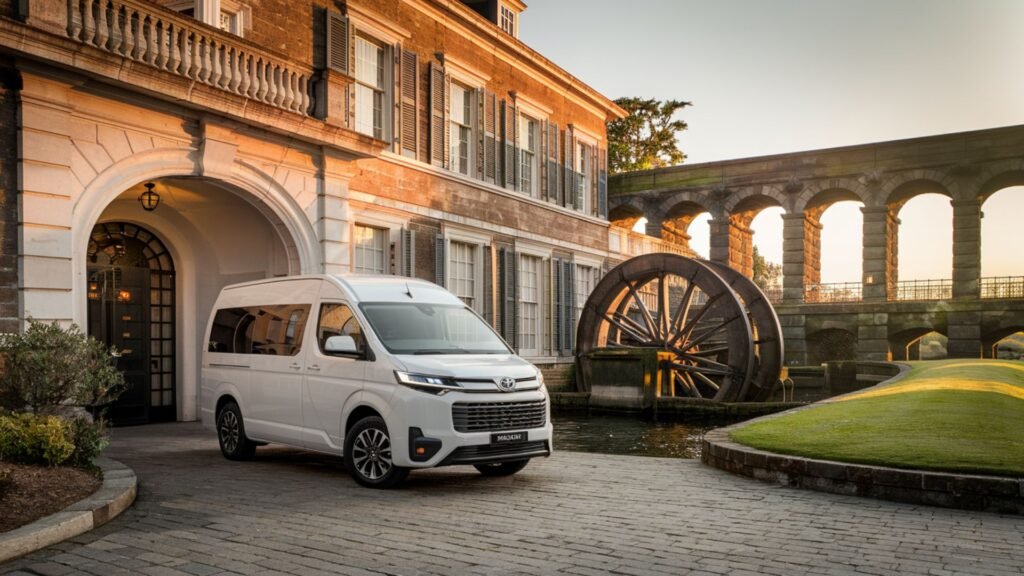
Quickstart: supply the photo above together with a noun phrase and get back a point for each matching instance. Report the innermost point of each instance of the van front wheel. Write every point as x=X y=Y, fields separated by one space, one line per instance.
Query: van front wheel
x=368 y=455
x=501 y=468
x=231 y=433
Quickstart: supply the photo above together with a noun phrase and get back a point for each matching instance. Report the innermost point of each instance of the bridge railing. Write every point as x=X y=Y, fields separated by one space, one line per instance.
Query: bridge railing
x=923 y=290
x=1002 y=287
x=774 y=294
x=833 y=293
x=628 y=244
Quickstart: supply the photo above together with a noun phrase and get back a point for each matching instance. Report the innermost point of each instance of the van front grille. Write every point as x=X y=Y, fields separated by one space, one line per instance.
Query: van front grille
x=498 y=416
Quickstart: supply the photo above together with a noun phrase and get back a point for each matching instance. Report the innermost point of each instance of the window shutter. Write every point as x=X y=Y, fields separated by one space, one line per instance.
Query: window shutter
x=508 y=121
x=488 y=276
x=408 y=252
x=552 y=162
x=440 y=260
x=602 y=184
x=447 y=121
x=409 y=110
x=509 y=294
x=567 y=168
x=557 y=310
x=569 y=306
x=437 y=114
x=492 y=169
x=338 y=41
x=542 y=161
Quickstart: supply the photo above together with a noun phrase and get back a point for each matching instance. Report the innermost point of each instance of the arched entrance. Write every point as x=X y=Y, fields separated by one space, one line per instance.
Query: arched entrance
x=131 y=307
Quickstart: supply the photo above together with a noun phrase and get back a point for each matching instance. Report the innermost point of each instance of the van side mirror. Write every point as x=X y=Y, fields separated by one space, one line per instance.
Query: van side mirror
x=344 y=345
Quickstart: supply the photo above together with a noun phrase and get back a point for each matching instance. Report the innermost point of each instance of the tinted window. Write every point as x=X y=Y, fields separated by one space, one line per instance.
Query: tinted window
x=274 y=330
x=409 y=328
x=338 y=320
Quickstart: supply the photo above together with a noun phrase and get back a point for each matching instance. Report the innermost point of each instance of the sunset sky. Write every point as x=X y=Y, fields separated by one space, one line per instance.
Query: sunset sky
x=773 y=76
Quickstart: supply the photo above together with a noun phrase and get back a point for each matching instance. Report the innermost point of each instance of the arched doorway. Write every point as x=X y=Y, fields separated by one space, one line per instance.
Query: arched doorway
x=131 y=308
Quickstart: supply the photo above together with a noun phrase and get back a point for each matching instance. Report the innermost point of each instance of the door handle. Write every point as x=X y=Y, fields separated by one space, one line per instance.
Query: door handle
x=314 y=367
x=296 y=366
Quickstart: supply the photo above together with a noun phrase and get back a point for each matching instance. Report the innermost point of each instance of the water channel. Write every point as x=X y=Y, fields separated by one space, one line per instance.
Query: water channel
x=628 y=435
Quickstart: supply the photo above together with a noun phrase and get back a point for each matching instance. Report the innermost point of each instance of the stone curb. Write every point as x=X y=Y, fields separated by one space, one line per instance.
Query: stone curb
x=949 y=490
x=115 y=495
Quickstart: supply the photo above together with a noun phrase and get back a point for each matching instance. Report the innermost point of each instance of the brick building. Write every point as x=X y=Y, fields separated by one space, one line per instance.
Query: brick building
x=410 y=137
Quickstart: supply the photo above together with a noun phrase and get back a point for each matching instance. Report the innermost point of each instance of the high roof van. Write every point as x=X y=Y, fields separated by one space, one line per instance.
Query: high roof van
x=391 y=373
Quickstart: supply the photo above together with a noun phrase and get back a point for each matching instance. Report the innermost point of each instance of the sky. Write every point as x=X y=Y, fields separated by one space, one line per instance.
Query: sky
x=775 y=76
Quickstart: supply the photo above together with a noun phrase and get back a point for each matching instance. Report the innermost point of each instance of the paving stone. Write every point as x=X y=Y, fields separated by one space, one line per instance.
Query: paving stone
x=295 y=513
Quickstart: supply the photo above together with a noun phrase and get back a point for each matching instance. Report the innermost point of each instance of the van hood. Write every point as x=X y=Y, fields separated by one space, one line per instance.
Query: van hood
x=468 y=366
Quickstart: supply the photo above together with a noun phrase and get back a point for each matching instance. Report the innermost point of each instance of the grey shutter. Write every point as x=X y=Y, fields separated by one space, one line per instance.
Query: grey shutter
x=447 y=121
x=552 y=162
x=338 y=41
x=492 y=167
x=569 y=195
x=409 y=110
x=508 y=131
x=478 y=132
x=569 y=306
x=602 y=184
x=488 y=291
x=440 y=260
x=437 y=114
x=542 y=162
x=408 y=252
x=558 y=312
x=594 y=159
x=509 y=295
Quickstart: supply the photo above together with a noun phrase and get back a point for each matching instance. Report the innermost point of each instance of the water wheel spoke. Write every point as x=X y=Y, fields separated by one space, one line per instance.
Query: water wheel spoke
x=686 y=384
x=636 y=326
x=706 y=362
x=691 y=369
x=707 y=381
x=628 y=330
x=663 y=312
x=709 y=351
x=644 y=312
x=691 y=344
x=684 y=307
x=684 y=334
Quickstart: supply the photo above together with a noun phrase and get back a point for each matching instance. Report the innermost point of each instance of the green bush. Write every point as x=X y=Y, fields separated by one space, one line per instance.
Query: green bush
x=49 y=367
x=89 y=440
x=5 y=482
x=35 y=439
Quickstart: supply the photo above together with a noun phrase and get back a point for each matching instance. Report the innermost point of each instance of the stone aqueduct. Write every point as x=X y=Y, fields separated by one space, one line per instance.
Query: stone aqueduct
x=881 y=317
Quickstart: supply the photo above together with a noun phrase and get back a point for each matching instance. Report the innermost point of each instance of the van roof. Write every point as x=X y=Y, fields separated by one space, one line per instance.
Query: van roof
x=372 y=287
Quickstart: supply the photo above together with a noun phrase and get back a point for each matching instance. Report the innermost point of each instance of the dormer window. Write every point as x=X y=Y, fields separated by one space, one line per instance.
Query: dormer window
x=507 y=20
x=228 y=15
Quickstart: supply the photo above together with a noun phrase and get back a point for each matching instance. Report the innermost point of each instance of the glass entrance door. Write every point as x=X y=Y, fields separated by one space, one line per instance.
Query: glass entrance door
x=131 y=307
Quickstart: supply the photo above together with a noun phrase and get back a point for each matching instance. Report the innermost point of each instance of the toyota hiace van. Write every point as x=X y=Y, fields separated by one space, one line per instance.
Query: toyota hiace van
x=391 y=373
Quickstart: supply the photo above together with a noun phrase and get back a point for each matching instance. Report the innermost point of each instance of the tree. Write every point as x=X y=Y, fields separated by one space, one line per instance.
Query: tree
x=647 y=137
x=766 y=274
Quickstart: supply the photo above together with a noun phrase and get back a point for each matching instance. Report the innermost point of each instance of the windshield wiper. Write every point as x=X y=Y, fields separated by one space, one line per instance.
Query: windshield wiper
x=444 y=351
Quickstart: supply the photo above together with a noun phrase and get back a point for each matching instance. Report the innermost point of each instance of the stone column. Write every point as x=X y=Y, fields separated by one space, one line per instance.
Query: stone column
x=966 y=248
x=801 y=256
x=873 y=336
x=653 y=226
x=732 y=244
x=964 y=333
x=880 y=266
x=333 y=216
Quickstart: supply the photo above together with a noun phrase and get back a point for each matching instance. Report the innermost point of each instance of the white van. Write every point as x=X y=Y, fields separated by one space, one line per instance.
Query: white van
x=392 y=373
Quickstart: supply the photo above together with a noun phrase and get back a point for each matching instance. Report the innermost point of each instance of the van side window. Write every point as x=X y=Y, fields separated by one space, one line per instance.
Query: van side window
x=274 y=330
x=338 y=320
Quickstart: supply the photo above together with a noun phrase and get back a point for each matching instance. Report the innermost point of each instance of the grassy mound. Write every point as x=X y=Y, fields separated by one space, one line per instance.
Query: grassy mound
x=952 y=415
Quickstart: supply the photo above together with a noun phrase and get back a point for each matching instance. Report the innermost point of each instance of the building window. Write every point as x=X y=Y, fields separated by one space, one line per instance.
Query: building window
x=461 y=113
x=370 y=250
x=530 y=282
x=462 y=272
x=528 y=144
x=227 y=15
x=586 y=279
x=371 y=93
x=229 y=22
x=508 y=20
x=584 y=174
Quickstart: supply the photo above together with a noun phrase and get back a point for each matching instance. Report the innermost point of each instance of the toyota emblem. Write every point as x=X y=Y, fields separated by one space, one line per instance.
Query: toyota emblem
x=507 y=384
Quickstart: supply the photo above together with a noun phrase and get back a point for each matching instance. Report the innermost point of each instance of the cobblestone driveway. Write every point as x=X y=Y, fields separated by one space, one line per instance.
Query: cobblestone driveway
x=296 y=513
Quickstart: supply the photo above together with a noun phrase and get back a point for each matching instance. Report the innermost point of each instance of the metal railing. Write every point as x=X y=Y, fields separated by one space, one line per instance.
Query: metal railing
x=163 y=39
x=833 y=293
x=773 y=293
x=923 y=290
x=1002 y=287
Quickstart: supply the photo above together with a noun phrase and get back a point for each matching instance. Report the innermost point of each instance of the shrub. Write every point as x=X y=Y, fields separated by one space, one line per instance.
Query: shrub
x=35 y=439
x=48 y=367
x=89 y=440
x=5 y=482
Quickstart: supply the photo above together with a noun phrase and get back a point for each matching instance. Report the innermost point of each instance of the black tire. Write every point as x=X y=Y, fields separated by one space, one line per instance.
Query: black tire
x=501 y=468
x=234 y=445
x=368 y=455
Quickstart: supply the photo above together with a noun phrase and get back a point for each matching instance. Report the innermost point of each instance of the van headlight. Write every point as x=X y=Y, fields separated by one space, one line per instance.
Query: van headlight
x=424 y=383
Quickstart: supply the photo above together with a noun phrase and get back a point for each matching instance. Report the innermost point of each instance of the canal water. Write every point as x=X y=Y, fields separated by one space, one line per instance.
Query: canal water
x=628 y=435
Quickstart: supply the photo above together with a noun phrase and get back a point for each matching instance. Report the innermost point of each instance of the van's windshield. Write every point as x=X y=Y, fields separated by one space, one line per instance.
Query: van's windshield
x=411 y=328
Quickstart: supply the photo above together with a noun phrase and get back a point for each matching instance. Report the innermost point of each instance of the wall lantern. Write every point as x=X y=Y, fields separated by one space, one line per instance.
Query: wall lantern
x=149 y=199
x=124 y=296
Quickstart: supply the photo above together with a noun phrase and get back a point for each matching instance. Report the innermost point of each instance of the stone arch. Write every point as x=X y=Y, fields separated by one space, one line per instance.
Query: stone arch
x=827 y=192
x=250 y=183
x=990 y=340
x=626 y=213
x=905 y=344
x=675 y=199
x=998 y=177
x=755 y=197
x=903 y=186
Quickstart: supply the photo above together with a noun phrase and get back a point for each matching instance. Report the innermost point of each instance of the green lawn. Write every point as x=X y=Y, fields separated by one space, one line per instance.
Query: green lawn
x=956 y=415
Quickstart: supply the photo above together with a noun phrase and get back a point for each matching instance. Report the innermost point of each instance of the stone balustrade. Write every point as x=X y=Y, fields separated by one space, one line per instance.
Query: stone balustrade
x=164 y=39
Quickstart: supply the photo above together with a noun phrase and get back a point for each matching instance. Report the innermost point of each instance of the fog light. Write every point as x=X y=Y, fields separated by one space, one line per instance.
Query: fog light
x=422 y=448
